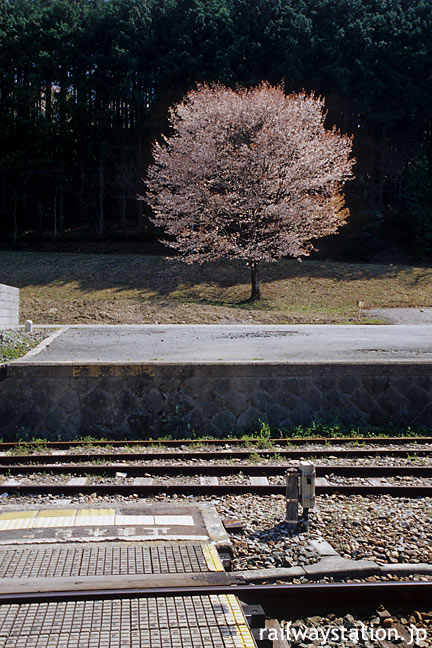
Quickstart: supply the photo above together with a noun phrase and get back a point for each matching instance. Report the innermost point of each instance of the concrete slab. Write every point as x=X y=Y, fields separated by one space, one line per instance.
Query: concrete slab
x=208 y=480
x=402 y=315
x=77 y=481
x=143 y=481
x=258 y=481
x=322 y=548
x=321 y=481
x=194 y=522
x=337 y=567
x=237 y=343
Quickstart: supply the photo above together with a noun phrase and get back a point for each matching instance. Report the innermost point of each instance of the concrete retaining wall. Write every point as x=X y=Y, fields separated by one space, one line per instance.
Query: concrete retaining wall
x=136 y=401
x=9 y=305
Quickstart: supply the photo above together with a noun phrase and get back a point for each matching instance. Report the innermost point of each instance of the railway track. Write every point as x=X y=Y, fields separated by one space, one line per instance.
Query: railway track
x=133 y=466
x=209 y=480
x=277 y=600
x=288 y=601
x=9 y=459
x=293 y=603
x=177 y=443
x=216 y=470
x=205 y=490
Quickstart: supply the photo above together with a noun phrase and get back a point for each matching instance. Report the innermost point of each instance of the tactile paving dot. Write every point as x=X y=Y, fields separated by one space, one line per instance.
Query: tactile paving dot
x=160 y=622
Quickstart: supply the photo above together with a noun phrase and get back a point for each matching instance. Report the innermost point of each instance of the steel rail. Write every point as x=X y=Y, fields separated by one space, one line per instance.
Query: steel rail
x=175 y=443
x=214 y=454
x=283 y=601
x=216 y=470
x=199 y=490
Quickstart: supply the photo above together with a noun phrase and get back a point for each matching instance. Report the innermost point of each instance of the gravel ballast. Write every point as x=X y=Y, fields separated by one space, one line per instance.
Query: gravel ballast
x=383 y=628
x=16 y=342
x=383 y=529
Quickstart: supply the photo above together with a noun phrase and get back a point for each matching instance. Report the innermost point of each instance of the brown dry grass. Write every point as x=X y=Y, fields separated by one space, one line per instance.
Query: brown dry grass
x=98 y=288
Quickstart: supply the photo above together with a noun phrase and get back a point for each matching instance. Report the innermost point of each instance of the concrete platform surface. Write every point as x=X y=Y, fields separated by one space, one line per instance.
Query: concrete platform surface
x=74 y=567
x=159 y=622
x=195 y=522
x=239 y=343
x=106 y=559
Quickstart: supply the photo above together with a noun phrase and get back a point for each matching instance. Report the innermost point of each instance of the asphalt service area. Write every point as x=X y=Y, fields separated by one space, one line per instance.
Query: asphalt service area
x=235 y=343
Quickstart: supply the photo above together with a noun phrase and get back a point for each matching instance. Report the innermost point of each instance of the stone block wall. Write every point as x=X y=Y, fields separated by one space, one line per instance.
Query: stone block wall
x=138 y=401
x=9 y=305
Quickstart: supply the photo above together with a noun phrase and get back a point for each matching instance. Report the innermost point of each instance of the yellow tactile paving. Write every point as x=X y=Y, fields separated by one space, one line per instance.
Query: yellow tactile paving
x=233 y=616
x=246 y=640
x=212 y=558
x=95 y=511
x=18 y=515
x=53 y=513
x=235 y=608
x=48 y=518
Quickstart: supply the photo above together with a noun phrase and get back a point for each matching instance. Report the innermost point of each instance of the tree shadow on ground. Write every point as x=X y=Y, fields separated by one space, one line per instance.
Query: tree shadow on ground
x=155 y=277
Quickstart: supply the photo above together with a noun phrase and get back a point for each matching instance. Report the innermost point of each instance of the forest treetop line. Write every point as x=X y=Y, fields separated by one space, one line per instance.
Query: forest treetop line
x=85 y=87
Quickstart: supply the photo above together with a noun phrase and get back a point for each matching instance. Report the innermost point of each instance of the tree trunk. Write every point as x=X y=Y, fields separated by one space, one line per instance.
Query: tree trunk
x=255 y=289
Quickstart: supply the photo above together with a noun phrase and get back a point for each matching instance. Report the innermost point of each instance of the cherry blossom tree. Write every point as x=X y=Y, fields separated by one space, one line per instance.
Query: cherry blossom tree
x=249 y=174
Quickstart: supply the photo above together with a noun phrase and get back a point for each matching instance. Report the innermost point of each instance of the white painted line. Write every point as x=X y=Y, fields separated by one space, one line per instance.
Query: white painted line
x=50 y=522
x=94 y=520
x=174 y=520
x=258 y=481
x=17 y=523
x=140 y=520
x=209 y=481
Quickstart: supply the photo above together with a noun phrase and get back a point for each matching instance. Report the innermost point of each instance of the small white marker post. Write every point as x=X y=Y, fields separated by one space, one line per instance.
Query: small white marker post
x=29 y=326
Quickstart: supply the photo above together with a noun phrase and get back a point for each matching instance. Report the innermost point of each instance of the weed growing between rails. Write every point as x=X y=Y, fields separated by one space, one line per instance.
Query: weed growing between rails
x=36 y=446
x=264 y=437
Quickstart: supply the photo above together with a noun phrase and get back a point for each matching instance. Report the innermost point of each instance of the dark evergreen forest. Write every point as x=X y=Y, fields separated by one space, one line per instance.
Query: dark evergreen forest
x=85 y=86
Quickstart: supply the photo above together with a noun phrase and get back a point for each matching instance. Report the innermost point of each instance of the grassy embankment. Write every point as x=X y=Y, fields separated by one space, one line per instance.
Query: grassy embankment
x=98 y=288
